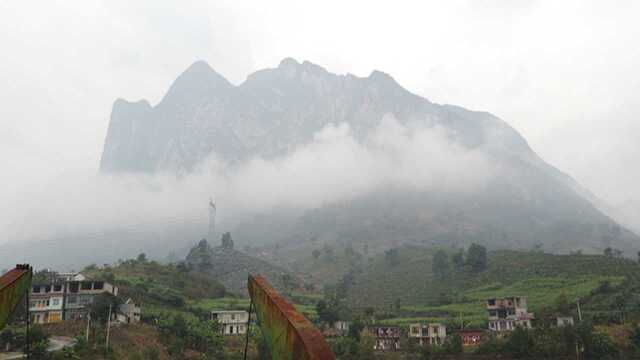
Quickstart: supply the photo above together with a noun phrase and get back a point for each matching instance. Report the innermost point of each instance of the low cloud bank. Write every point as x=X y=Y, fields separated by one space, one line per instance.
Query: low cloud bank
x=334 y=166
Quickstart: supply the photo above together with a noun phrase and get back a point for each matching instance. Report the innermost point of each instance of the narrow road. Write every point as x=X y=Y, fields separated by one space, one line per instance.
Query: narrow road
x=56 y=343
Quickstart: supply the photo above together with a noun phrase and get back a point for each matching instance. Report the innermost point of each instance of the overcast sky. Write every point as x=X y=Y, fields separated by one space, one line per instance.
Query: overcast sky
x=566 y=74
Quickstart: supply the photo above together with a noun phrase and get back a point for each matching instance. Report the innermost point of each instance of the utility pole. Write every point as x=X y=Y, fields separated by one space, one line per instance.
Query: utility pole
x=212 y=221
x=579 y=312
x=86 y=336
x=108 y=328
x=28 y=305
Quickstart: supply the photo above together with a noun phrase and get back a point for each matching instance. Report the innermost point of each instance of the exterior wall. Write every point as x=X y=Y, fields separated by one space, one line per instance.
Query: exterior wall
x=129 y=312
x=470 y=337
x=232 y=322
x=564 y=321
x=387 y=338
x=65 y=300
x=508 y=313
x=45 y=303
x=431 y=334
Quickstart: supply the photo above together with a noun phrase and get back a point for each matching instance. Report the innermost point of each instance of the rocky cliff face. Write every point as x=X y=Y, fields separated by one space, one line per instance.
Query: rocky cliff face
x=272 y=112
x=276 y=110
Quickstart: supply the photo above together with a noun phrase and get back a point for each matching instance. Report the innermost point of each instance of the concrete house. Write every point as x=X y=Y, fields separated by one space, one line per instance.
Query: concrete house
x=428 y=334
x=80 y=295
x=46 y=303
x=470 y=337
x=505 y=314
x=129 y=312
x=233 y=322
x=562 y=321
x=386 y=337
x=64 y=299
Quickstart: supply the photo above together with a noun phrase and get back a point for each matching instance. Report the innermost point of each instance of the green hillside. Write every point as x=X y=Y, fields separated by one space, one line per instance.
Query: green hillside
x=401 y=285
x=155 y=284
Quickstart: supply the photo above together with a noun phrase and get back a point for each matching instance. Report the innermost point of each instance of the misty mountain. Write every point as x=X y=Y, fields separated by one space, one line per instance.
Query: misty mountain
x=276 y=111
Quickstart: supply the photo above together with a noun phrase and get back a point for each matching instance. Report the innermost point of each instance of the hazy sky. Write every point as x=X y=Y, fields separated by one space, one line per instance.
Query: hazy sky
x=566 y=74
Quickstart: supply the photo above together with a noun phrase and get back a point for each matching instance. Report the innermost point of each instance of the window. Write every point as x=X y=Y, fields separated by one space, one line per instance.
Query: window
x=46 y=303
x=57 y=287
x=73 y=287
x=72 y=299
x=98 y=285
x=86 y=285
x=492 y=302
x=233 y=316
x=33 y=304
x=55 y=302
x=36 y=289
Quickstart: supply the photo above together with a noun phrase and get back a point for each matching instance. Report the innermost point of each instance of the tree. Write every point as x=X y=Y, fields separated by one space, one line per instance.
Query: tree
x=392 y=257
x=562 y=304
x=349 y=252
x=365 y=348
x=453 y=344
x=458 y=259
x=316 y=254
x=99 y=308
x=608 y=252
x=477 y=257
x=520 y=343
x=327 y=311
x=151 y=353
x=142 y=258
x=38 y=343
x=328 y=252
x=440 y=264
x=227 y=241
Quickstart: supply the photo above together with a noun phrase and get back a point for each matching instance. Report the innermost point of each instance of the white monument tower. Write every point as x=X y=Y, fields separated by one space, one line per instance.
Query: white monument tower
x=212 y=221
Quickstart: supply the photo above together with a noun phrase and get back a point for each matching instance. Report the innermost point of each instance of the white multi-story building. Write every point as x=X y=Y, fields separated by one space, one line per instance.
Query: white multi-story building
x=46 y=303
x=232 y=322
x=505 y=314
x=428 y=334
x=64 y=299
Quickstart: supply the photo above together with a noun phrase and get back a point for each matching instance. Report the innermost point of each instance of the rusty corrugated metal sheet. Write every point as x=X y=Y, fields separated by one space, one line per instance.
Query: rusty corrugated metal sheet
x=289 y=335
x=13 y=287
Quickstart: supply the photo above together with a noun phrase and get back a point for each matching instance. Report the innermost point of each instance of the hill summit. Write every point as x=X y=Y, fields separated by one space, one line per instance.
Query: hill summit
x=231 y=267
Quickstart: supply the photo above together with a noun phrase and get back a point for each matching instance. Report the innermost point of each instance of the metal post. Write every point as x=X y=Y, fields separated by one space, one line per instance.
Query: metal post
x=246 y=339
x=27 y=305
x=88 y=322
x=108 y=328
x=579 y=312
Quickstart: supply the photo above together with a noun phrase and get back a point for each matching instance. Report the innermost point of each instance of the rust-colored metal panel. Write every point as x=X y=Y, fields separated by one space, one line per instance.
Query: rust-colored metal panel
x=288 y=334
x=13 y=287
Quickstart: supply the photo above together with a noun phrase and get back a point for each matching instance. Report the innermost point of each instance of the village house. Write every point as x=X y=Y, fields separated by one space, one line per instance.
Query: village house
x=505 y=314
x=129 y=312
x=562 y=321
x=470 y=337
x=46 y=303
x=232 y=322
x=80 y=295
x=428 y=334
x=338 y=328
x=386 y=337
x=64 y=299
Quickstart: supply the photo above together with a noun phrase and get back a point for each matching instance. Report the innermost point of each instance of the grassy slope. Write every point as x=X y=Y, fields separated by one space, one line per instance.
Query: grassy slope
x=411 y=284
x=157 y=286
